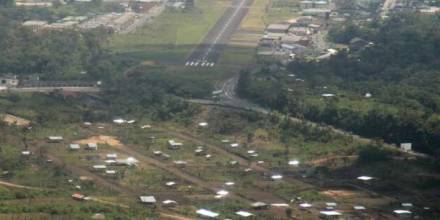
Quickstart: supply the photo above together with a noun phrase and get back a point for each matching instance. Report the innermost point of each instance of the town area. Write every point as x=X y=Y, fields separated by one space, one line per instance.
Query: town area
x=219 y=109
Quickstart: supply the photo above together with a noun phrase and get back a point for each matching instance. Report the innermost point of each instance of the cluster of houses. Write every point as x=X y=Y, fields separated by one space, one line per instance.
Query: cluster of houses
x=289 y=38
x=114 y=22
x=414 y=5
x=293 y=38
x=180 y=4
x=329 y=209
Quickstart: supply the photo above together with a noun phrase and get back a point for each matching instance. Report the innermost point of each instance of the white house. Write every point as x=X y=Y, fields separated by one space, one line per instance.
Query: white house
x=147 y=199
x=74 y=147
x=92 y=146
x=207 y=213
x=406 y=146
x=55 y=139
x=172 y=144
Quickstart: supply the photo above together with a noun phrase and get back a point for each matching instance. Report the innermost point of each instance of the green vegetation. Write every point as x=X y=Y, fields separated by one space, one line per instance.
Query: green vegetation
x=400 y=70
x=51 y=54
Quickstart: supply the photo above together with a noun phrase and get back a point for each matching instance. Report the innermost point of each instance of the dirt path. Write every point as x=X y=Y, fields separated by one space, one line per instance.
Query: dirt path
x=173 y=216
x=13 y=185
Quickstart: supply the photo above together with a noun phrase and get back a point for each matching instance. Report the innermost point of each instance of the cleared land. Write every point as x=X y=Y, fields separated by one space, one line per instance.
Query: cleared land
x=172 y=35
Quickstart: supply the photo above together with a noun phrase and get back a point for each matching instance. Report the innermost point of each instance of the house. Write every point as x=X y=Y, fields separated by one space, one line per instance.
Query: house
x=110 y=172
x=111 y=156
x=278 y=28
x=54 y=139
x=205 y=213
x=170 y=183
x=430 y=10
x=320 y=4
x=402 y=213
x=300 y=31
x=328 y=95
x=34 y=23
x=244 y=214
x=259 y=205
x=199 y=151
x=74 y=147
x=305 y=20
x=129 y=161
x=34 y=4
x=295 y=39
x=235 y=145
x=203 y=124
x=172 y=144
x=99 y=167
x=169 y=203
x=406 y=147
x=306 y=4
x=270 y=39
x=276 y=177
x=180 y=163
x=26 y=153
x=92 y=146
x=9 y=81
x=305 y=205
x=148 y=200
x=357 y=44
x=221 y=194
x=319 y=12
x=359 y=207
x=293 y=48
x=365 y=178
x=78 y=196
x=293 y=163
x=330 y=213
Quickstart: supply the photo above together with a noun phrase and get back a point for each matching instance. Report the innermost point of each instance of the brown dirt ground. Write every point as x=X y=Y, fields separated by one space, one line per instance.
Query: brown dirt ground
x=338 y=193
x=11 y=119
x=325 y=160
x=100 y=139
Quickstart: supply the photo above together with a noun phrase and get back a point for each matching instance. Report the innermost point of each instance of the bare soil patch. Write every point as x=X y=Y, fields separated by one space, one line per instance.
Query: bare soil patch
x=338 y=193
x=101 y=139
x=12 y=119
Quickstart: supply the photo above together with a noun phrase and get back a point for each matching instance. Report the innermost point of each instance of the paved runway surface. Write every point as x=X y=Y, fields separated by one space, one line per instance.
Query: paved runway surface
x=207 y=53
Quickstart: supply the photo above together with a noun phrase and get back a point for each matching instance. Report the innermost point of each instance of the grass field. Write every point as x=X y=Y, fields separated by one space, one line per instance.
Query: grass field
x=265 y=12
x=171 y=36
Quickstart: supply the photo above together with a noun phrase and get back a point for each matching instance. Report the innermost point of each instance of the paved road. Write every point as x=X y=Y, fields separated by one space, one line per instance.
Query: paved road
x=207 y=53
x=229 y=99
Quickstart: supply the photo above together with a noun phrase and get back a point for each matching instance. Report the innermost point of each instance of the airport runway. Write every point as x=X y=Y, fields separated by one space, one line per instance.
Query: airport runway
x=207 y=53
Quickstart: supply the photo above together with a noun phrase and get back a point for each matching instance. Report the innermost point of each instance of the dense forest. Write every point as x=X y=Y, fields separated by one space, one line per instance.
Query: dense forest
x=400 y=68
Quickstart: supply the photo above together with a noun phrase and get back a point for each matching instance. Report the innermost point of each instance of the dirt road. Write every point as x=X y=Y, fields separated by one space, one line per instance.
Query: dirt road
x=13 y=185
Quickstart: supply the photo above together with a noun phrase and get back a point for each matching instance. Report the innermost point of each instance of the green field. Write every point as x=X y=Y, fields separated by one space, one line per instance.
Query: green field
x=171 y=36
x=265 y=12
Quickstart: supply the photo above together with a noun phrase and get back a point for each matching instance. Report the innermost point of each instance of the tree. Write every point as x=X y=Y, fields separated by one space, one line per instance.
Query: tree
x=7 y=3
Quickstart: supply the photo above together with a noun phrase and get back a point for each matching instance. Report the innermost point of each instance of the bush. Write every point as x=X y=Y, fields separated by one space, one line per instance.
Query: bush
x=373 y=154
